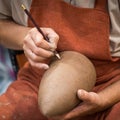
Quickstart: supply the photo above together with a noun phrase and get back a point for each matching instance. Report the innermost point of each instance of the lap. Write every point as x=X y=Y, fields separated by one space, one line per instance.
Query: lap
x=112 y=113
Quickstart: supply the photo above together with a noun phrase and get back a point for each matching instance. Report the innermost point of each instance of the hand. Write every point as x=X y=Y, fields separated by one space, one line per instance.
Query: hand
x=92 y=103
x=37 y=49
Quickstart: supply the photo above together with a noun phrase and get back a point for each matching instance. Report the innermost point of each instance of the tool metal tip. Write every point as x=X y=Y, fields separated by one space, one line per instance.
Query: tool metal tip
x=23 y=7
x=58 y=56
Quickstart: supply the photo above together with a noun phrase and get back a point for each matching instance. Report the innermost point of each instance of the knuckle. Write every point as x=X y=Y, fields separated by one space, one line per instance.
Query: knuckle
x=33 y=30
x=31 y=62
x=55 y=47
x=57 y=37
x=49 y=54
x=34 y=58
x=50 y=29
x=26 y=39
x=36 y=51
x=24 y=47
x=38 y=41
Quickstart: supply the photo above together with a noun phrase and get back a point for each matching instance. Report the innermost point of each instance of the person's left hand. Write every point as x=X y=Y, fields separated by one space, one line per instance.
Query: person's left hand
x=92 y=102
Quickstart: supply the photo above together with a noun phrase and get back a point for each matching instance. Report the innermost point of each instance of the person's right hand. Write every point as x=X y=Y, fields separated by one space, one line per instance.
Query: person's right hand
x=37 y=49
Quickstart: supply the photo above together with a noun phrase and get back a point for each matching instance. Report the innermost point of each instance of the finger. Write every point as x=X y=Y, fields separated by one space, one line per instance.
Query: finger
x=84 y=96
x=42 y=53
x=35 y=63
x=33 y=57
x=77 y=112
x=39 y=40
x=51 y=34
x=53 y=37
x=61 y=117
x=39 y=65
x=36 y=50
x=53 y=44
x=89 y=97
x=28 y=42
x=83 y=108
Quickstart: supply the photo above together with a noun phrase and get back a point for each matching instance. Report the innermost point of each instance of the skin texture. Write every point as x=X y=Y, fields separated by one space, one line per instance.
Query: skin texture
x=36 y=49
x=12 y=34
x=59 y=85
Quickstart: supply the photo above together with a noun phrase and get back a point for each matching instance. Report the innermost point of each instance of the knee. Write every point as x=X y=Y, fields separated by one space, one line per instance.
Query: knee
x=19 y=102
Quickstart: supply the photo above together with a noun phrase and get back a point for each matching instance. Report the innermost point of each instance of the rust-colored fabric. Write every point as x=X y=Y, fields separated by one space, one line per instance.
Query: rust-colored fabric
x=21 y=59
x=19 y=102
x=80 y=29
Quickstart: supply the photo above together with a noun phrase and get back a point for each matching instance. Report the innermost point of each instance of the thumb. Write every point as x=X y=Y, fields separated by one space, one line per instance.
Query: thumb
x=84 y=95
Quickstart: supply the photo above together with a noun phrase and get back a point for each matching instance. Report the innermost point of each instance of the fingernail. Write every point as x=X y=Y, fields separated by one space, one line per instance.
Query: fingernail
x=45 y=67
x=79 y=92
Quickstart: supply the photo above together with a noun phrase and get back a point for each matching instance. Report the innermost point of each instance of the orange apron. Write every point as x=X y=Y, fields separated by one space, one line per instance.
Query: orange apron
x=81 y=29
x=84 y=30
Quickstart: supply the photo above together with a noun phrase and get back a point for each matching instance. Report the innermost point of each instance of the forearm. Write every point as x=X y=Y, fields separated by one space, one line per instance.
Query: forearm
x=111 y=94
x=12 y=34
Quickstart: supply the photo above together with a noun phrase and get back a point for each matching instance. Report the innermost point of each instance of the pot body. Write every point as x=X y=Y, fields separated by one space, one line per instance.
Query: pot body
x=60 y=83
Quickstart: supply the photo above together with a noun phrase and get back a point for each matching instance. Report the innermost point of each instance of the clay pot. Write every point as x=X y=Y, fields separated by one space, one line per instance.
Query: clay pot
x=59 y=85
